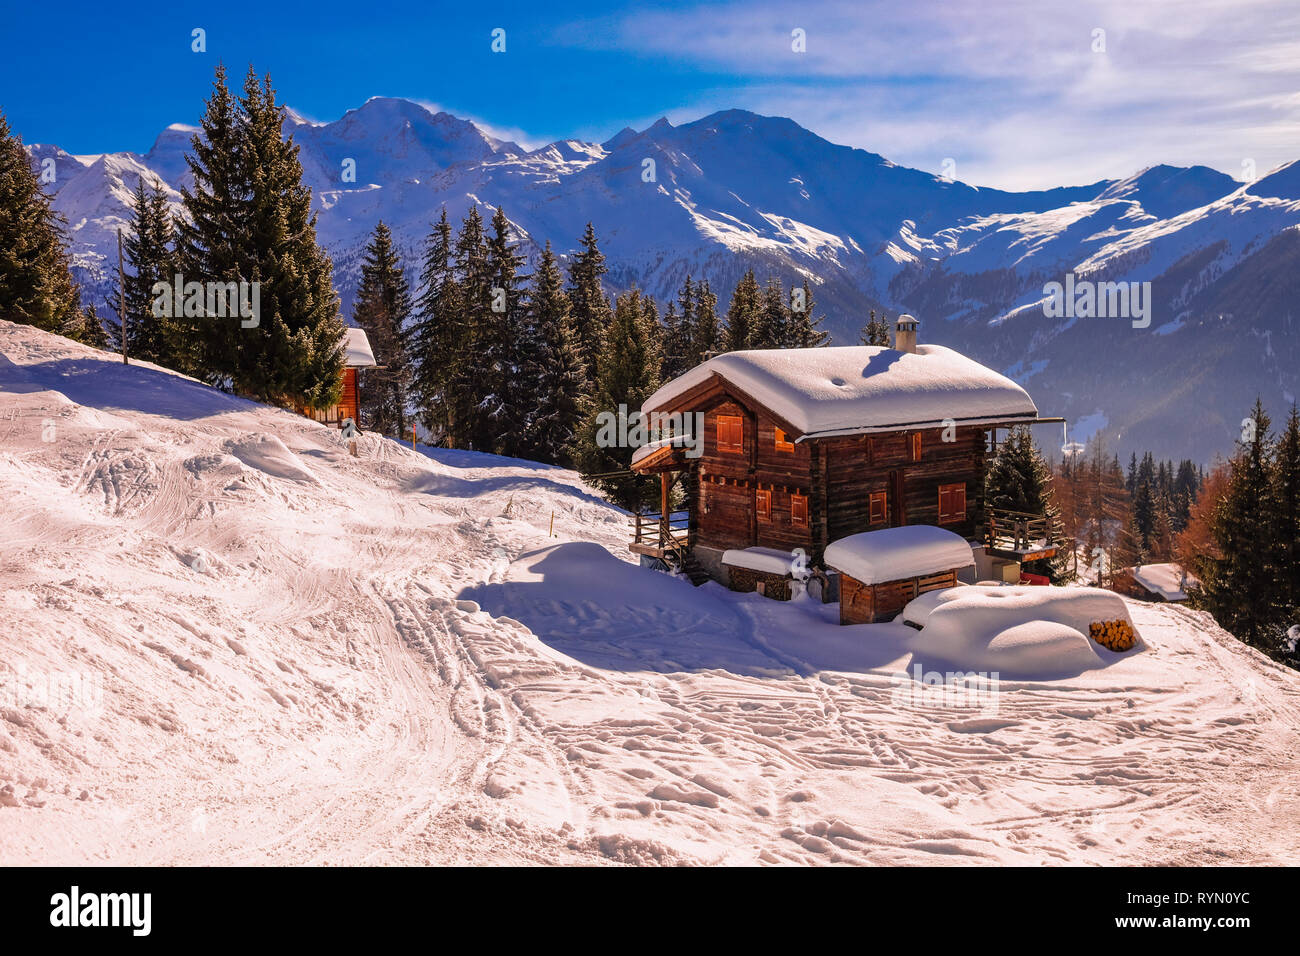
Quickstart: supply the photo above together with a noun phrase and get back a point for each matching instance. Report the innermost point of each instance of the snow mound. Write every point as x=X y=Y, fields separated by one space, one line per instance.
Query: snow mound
x=1025 y=633
x=268 y=454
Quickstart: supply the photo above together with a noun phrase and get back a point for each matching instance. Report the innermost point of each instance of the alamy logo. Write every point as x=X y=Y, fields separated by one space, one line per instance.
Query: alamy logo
x=212 y=300
x=634 y=429
x=1085 y=299
x=74 y=909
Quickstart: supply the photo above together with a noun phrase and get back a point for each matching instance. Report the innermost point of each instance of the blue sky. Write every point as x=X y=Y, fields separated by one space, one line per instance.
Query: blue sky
x=1017 y=93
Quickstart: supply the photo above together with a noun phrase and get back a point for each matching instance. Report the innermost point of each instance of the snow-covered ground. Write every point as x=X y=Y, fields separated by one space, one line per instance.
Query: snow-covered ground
x=225 y=640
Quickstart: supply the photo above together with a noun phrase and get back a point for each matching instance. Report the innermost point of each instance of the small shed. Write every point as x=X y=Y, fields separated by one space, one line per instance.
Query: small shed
x=880 y=571
x=768 y=571
x=357 y=355
x=1155 y=582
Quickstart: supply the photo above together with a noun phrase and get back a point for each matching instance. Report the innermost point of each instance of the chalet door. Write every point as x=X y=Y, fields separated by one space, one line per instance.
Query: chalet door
x=897 y=492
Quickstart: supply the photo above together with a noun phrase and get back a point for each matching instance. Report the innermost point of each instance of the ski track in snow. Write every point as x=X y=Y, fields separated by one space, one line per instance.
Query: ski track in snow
x=316 y=659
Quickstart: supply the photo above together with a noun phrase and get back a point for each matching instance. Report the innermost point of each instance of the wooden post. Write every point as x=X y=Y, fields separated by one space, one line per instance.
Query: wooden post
x=413 y=436
x=121 y=295
x=551 y=532
x=663 y=508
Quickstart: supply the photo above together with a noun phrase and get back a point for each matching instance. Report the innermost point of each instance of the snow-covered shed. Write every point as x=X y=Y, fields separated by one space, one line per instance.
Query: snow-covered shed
x=357 y=354
x=1155 y=582
x=881 y=571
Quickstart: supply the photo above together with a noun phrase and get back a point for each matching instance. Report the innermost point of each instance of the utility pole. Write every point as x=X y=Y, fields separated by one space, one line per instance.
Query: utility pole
x=121 y=294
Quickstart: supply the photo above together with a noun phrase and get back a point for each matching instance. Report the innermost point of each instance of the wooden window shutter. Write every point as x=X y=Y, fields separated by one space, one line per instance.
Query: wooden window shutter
x=731 y=433
x=879 y=507
x=782 y=443
x=799 y=510
x=763 y=504
x=952 y=503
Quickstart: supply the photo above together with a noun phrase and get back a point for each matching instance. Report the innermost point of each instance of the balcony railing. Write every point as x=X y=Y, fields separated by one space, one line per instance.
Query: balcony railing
x=1018 y=532
x=667 y=533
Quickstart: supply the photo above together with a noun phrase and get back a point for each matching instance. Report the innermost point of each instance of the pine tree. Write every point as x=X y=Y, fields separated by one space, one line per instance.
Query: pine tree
x=554 y=369
x=36 y=287
x=706 y=336
x=771 y=326
x=591 y=312
x=875 y=332
x=628 y=376
x=382 y=309
x=148 y=259
x=743 y=315
x=804 y=331
x=92 y=332
x=434 y=341
x=1240 y=587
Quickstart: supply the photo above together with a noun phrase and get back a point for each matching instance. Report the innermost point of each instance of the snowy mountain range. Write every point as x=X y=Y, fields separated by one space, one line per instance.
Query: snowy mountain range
x=735 y=189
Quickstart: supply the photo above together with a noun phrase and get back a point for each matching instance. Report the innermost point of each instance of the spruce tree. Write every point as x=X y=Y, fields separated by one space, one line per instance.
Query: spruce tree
x=152 y=336
x=771 y=327
x=553 y=369
x=875 y=332
x=706 y=336
x=804 y=331
x=382 y=309
x=36 y=287
x=249 y=218
x=676 y=343
x=743 y=315
x=591 y=312
x=1019 y=480
x=471 y=378
x=1240 y=587
x=629 y=374
x=434 y=339
x=507 y=404
x=1286 y=520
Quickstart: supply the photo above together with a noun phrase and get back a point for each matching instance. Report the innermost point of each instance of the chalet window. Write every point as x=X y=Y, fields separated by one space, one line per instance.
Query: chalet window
x=731 y=433
x=952 y=503
x=799 y=510
x=916 y=446
x=782 y=444
x=763 y=504
x=878 y=507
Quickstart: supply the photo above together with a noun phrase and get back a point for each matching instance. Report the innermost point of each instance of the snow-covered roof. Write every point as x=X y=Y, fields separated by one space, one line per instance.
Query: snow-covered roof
x=767 y=560
x=356 y=349
x=892 y=554
x=854 y=389
x=1164 y=579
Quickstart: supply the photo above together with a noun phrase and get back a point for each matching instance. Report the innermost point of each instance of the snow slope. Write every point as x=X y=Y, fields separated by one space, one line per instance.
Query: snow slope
x=228 y=641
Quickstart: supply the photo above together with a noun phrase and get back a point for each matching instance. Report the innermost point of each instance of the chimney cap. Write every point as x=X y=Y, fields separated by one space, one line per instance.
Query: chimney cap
x=910 y=321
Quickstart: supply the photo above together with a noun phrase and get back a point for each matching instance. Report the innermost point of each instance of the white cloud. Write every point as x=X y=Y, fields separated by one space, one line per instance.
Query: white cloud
x=1014 y=93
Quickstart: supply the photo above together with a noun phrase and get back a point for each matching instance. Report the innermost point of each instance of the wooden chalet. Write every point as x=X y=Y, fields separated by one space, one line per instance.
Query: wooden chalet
x=804 y=447
x=356 y=355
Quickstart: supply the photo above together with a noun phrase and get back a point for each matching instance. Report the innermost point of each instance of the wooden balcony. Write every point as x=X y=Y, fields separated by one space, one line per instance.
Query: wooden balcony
x=1019 y=536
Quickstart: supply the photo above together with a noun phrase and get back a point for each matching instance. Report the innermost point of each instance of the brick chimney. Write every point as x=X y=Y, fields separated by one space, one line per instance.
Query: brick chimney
x=905 y=333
